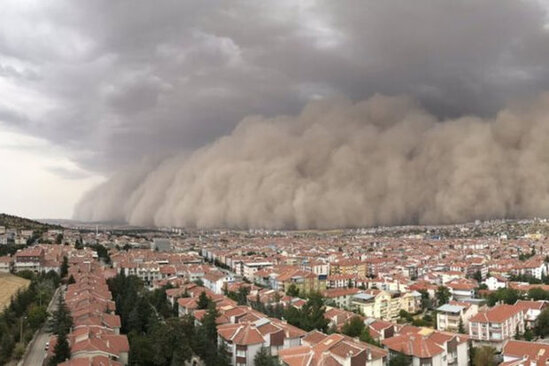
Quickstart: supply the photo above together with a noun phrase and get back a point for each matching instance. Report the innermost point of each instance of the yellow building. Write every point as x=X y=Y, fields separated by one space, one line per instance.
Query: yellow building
x=383 y=304
x=304 y=281
x=349 y=266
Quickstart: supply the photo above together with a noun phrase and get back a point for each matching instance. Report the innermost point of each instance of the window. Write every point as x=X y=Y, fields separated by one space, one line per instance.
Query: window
x=241 y=353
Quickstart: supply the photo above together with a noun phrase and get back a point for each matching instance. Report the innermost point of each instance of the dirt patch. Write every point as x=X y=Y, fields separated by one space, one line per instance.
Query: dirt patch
x=9 y=284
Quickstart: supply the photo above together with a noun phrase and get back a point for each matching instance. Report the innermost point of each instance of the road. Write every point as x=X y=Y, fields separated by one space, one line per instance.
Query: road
x=36 y=354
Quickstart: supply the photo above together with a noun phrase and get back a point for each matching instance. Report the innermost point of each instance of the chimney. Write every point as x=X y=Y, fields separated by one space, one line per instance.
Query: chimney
x=368 y=354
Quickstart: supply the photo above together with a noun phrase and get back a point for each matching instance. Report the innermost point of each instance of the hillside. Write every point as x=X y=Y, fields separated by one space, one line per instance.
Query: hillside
x=20 y=223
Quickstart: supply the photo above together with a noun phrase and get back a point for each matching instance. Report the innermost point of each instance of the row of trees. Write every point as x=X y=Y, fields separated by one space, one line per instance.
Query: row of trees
x=26 y=313
x=60 y=324
x=156 y=335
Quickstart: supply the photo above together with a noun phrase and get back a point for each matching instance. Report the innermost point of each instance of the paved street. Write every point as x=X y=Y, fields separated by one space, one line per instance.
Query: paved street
x=36 y=354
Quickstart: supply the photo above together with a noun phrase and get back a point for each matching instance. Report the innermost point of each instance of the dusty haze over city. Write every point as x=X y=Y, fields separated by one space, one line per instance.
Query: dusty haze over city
x=314 y=115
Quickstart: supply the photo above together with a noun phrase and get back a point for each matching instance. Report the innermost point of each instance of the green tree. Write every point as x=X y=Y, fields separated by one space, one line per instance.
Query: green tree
x=484 y=356
x=292 y=290
x=537 y=293
x=461 y=327
x=425 y=300
x=542 y=326
x=64 y=269
x=61 y=321
x=313 y=313
x=203 y=301
x=528 y=335
x=59 y=239
x=400 y=359
x=477 y=276
x=354 y=327
x=365 y=336
x=507 y=295
x=517 y=333
x=264 y=358
x=443 y=295
x=242 y=296
x=78 y=244
x=71 y=280
x=62 y=350
x=36 y=315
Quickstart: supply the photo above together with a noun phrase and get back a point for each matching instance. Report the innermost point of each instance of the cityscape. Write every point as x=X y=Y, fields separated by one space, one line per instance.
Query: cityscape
x=274 y=183
x=439 y=295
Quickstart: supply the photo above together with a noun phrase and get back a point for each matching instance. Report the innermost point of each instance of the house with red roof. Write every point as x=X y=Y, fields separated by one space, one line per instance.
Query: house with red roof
x=521 y=353
x=429 y=347
x=319 y=349
x=496 y=325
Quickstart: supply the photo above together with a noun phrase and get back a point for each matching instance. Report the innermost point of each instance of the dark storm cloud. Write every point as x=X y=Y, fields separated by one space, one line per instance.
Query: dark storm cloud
x=131 y=78
x=116 y=82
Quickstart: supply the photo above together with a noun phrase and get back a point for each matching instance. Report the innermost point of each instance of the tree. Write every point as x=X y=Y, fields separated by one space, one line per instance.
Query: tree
x=461 y=327
x=507 y=295
x=313 y=313
x=365 y=336
x=425 y=301
x=36 y=316
x=264 y=358
x=58 y=238
x=203 y=301
x=443 y=295
x=62 y=350
x=542 y=326
x=354 y=327
x=310 y=316
x=71 y=280
x=484 y=356
x=477 y=276
x=517 y=333
x=528 y=335
x=61 y=321
x=209 y=324
x=292 y=290
x=64 y=269
x=537 y=293
x=400 y=359
x=78 y=244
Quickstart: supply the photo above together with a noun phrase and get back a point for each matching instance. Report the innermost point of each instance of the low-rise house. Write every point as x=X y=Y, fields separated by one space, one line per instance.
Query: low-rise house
x=216 y=280
x=449 y=315
x=521 y=353
x=462 y=288
x=495 y=282
x=340 y=297
x=30 y=259
x=319 y=349
x=496 y=325
x=428 y=347
x=531 y=309
x=249 y=268
x=244 y=339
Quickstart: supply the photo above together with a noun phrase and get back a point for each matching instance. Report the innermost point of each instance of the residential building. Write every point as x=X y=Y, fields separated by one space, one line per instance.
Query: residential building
x=496 y=325
x=428 y=347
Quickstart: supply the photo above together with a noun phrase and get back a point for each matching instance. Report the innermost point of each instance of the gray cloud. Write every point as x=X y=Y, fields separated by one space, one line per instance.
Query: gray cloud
x=116 y=82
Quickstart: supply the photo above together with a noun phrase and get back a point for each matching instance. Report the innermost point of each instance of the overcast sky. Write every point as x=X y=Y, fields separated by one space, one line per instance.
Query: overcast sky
x=90 y=87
